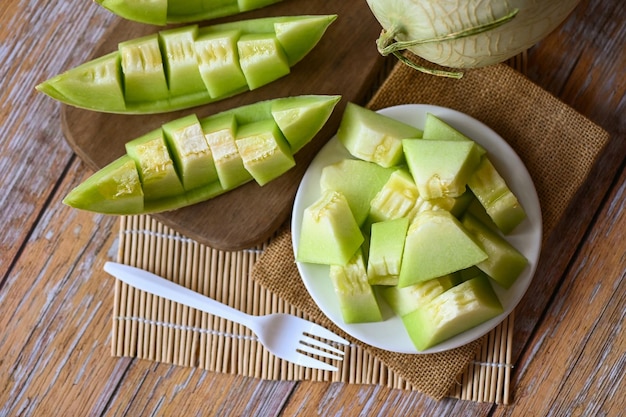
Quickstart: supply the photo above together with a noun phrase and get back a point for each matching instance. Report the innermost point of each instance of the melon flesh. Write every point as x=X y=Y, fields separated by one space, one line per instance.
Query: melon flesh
x=436 y=245
x=330 y=235
x=356 y=297
x=457 y=310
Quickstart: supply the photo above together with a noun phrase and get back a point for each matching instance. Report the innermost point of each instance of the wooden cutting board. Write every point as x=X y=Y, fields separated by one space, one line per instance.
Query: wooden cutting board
x=344 y=62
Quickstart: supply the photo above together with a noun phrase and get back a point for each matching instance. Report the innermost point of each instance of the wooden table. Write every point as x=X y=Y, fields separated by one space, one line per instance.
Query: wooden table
x=56 y=304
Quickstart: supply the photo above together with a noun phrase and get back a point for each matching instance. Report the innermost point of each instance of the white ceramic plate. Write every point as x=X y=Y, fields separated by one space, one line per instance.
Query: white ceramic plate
x=390 y=333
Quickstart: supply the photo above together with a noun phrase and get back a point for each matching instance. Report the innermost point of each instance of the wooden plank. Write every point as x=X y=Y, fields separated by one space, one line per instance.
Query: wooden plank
x=577 y=363
x=33 y=150
x=344 y=62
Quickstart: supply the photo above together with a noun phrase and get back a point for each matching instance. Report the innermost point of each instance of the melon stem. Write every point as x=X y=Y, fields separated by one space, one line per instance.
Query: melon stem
x=387 y=45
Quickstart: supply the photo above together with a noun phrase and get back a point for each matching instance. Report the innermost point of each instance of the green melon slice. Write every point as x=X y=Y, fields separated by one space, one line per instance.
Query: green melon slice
x=457 y=310
x=329 y=234
x=374 y=137
x=358 y=181
x=436 y=245
x=356 y=297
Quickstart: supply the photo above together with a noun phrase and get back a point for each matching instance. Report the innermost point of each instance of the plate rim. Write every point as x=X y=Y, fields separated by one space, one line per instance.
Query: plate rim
x=530 y=232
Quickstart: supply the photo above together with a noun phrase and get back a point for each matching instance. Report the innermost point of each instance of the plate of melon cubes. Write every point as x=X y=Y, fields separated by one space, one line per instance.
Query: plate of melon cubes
x=417 y=228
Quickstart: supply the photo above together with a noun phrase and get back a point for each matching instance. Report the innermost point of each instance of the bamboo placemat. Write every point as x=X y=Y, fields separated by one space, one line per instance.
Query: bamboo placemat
x=148 y=327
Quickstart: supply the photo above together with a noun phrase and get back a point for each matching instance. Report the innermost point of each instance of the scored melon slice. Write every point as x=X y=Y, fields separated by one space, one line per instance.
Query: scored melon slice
x=356 y=297
x=358 y=181
x=374 y=137
x=436 y=245
x=329 y=235
x=457 y=310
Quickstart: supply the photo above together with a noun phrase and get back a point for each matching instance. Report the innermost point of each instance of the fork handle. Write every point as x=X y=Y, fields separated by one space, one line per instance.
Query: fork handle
x=156 y=285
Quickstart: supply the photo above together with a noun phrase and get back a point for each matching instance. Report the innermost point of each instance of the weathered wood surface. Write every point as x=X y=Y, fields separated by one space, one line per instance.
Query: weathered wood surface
x=56 y=304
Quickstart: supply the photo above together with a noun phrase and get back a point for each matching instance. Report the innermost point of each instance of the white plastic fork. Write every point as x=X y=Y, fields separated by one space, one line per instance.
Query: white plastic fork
x=288 y=337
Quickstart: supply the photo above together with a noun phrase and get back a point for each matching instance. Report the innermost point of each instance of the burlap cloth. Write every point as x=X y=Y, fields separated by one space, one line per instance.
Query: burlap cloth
x=558 y=146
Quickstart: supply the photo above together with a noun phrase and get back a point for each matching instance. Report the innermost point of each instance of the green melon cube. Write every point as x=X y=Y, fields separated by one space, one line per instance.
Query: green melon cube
x=407 y=299
x=155 y=165
x=358 y=181
x=220 y=132
x=142 y=66
x=329 y=234
x=262 y=59
x=181 y=65
x=264 y=151
x=356 y=297
x=374 y=137
x=218 y=63
x=494 y=194
x=436 y=245
x=385 y=251
x=395 y=199
x=441 y=168
x=504 y=263
x=455 y=311
x=191 y=152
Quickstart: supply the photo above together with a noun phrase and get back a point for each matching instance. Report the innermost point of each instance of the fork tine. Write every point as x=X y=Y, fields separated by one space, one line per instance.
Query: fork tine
x=315 y=351
x=310 y=362
x=311 y=341
x=324 y=333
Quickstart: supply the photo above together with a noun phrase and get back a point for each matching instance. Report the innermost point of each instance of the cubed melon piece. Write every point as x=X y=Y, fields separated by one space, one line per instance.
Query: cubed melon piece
x=407 y=299
x=220 y=132
x=358 y=181
x=441 y=168
x=374 y=137
x=504 y=263
x=181 y=65
x=190 y=151
x=218 y=63
x=329 y=234
x=396 y=198
x=436 y=245
x=356 y=297
x=455 y=311
x=143 y=70
x=385 y=251
x=262 y=59
x=264 y=151
x=155 y=165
